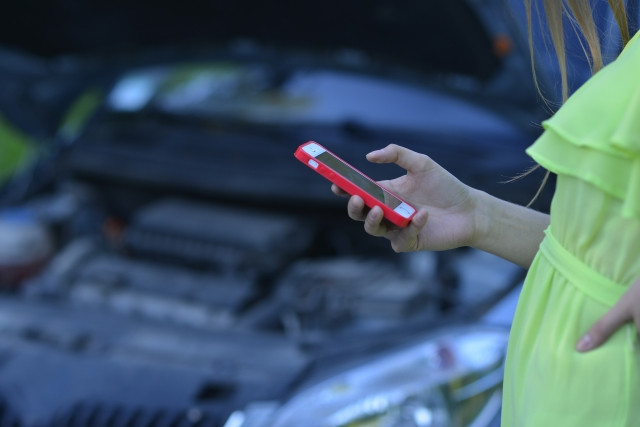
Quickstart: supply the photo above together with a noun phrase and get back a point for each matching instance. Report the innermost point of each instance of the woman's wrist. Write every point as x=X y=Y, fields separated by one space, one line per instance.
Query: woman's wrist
x=510 y=231
x=480 y=218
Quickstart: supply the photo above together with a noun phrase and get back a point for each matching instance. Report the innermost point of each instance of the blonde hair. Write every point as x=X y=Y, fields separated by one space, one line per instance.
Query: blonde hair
x=580 y=16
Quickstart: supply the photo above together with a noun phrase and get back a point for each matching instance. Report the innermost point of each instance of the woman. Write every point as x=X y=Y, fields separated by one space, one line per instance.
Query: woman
x=574 y=352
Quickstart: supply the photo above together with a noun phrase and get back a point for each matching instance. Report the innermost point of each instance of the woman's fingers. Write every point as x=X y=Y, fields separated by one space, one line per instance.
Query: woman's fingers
x=600 y=332
x=356 y=208
x=338 y=191
x=403 y=157
x=402 y=239
x=373 y=222
x=627 y=309
x=408 y=238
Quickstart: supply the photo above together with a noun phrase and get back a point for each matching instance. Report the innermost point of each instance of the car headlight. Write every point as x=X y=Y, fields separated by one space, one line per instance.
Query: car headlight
x=450 y=379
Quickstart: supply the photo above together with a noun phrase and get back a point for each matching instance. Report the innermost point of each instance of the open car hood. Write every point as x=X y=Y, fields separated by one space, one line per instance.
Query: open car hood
x=473 y=108
x=439 y=35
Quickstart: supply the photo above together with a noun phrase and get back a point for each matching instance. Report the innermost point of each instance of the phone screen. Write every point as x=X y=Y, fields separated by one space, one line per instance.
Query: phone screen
x=356 y=177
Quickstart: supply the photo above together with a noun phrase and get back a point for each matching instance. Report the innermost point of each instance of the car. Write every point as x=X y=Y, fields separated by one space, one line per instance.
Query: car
x=167 y=261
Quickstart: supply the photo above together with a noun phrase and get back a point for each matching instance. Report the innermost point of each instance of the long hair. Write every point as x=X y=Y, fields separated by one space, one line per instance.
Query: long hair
x=580 y=16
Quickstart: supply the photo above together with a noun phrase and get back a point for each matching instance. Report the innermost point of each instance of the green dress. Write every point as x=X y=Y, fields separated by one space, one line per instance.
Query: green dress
x=588 y=259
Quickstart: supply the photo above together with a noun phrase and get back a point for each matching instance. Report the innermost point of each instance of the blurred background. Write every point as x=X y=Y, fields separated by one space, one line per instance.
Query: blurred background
x=165 y=260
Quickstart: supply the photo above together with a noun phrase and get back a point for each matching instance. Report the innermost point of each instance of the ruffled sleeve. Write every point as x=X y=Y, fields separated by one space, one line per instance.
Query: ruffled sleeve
x=595 y=135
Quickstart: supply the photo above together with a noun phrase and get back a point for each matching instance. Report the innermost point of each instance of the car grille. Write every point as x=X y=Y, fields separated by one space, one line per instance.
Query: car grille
x=101 y=415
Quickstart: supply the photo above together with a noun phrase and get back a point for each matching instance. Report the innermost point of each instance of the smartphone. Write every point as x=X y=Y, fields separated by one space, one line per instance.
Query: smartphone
x=354 y=182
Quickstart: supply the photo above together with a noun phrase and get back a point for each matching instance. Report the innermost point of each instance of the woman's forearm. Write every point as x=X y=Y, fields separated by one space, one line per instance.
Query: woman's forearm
x=510 y=231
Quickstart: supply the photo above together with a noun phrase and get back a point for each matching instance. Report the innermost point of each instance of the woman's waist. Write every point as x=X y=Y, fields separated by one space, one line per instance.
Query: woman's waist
x=594 y=282
x=588 y=223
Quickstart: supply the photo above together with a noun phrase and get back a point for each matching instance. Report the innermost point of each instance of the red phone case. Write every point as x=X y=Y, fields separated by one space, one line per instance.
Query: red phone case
x=348 y=186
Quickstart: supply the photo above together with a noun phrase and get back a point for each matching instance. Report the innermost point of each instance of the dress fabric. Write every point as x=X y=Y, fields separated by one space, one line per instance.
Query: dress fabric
x=588 y=259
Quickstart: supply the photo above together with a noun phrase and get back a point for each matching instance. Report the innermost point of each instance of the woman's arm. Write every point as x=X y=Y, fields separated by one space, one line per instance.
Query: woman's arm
x=508 y=230
x=450 y=213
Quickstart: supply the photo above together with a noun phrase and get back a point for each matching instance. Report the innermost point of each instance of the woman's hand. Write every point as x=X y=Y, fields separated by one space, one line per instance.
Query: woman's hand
x=450 y=213
x=445 y=205
x=626 y=310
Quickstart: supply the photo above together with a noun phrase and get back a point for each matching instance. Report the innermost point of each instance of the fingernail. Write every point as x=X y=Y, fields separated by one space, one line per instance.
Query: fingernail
x=585 y=343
